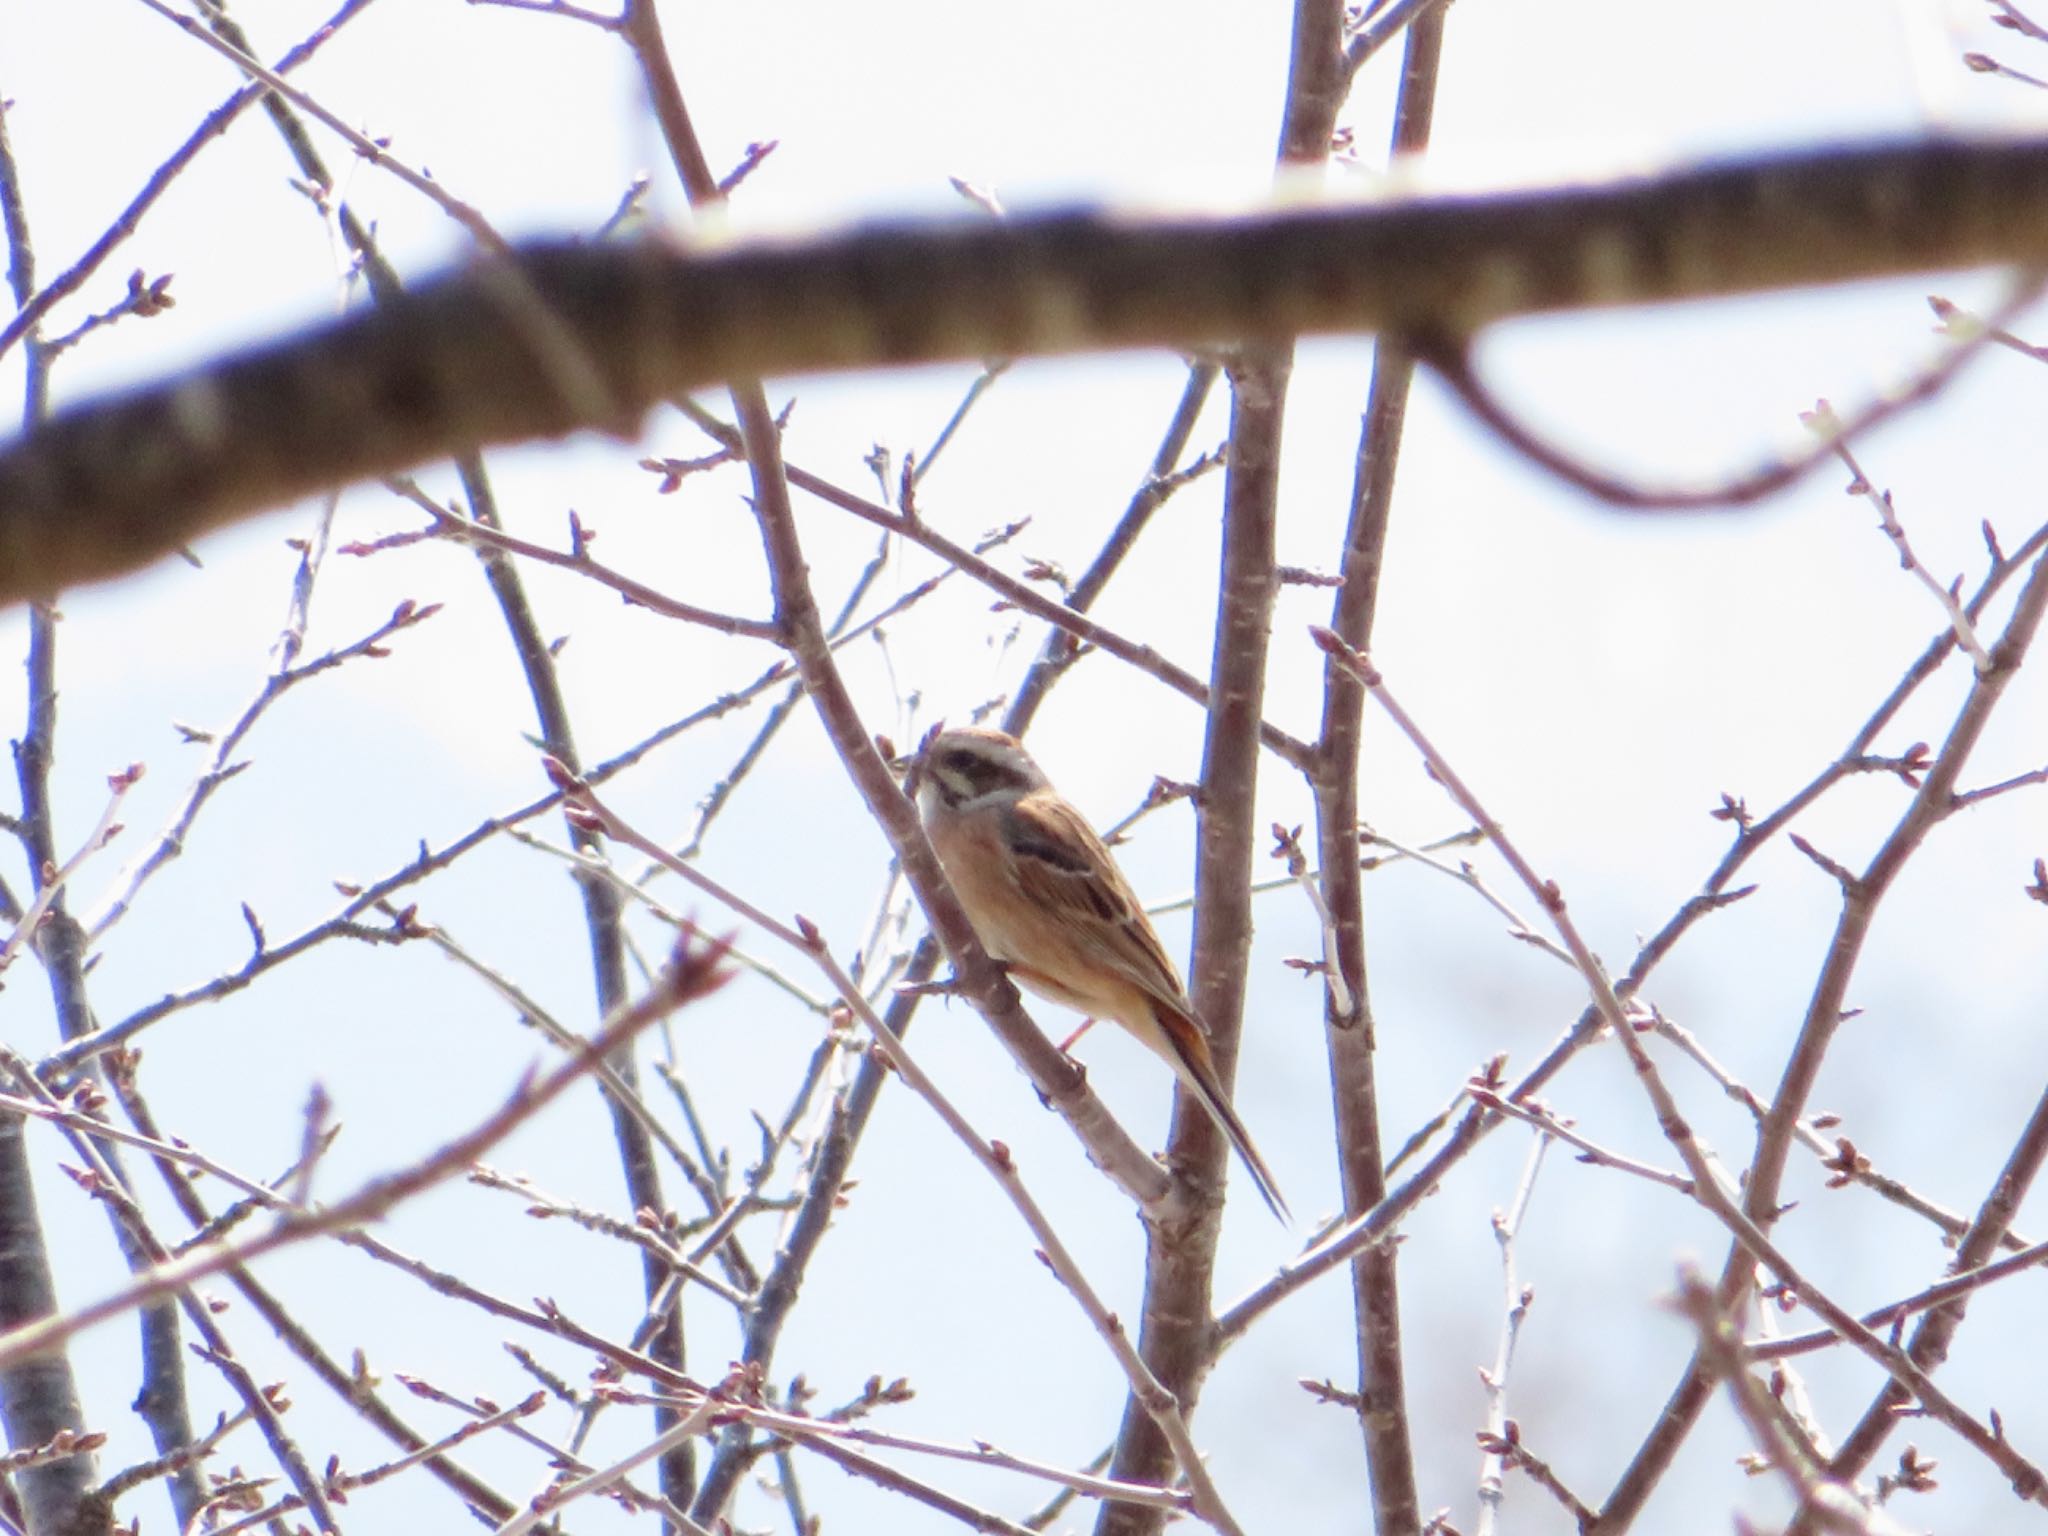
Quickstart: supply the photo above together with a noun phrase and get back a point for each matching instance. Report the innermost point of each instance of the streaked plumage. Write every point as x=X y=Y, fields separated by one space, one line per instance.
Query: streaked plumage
x=1047 y=899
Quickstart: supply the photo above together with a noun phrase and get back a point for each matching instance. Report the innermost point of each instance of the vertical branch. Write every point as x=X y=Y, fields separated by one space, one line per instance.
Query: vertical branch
x=602 y=904
x=1178 y=1339
x=1226 y=826
x=1382 y=1399
x=1498 y=1434
x=39 y=1399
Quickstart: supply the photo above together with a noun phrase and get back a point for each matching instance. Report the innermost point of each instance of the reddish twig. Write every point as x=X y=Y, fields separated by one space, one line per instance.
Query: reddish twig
x=695 y=971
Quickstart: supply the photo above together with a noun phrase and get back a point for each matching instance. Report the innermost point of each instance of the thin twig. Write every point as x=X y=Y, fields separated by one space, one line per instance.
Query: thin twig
x=993 y=1156
x=1750 y=1240
x=1822 y=421
x=1952 y=1289
x=1515 y=1310
x=694 y=973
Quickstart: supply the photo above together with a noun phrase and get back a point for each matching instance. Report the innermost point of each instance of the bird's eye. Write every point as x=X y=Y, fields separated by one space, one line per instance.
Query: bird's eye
x=960 y=760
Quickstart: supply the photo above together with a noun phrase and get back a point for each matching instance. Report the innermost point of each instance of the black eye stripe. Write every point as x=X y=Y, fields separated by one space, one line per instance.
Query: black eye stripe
x=963 y=773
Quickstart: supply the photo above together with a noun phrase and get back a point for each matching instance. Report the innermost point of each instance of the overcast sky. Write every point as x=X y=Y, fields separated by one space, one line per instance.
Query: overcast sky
x=1601 y=680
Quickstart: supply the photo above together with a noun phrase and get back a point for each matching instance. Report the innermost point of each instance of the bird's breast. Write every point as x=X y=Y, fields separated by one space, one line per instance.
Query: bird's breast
x=1050 y=952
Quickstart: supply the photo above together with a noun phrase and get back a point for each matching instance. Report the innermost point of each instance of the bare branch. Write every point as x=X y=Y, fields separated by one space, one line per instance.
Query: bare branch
x=695 y=972
x=575 y=336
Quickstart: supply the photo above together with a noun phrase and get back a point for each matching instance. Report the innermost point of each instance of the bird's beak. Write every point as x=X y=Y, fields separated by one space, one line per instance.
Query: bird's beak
x=910 y=765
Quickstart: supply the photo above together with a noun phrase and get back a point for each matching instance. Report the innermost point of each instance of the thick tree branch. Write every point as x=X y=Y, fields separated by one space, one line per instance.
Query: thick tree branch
x=1177 y=1338
x=1347 y=1014
x=566 y=337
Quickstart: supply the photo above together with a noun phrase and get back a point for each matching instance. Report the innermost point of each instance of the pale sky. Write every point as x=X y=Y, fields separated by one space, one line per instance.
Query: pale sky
x=1601 y=680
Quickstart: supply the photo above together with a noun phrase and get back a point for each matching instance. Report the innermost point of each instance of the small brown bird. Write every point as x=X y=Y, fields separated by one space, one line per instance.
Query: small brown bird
x=1047 y=899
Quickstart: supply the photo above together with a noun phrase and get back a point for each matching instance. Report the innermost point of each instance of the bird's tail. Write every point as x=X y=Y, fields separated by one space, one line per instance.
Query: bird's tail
x=1198 y=1071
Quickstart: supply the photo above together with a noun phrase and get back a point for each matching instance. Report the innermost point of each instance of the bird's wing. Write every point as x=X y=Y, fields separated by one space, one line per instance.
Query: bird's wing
x=1067 y=871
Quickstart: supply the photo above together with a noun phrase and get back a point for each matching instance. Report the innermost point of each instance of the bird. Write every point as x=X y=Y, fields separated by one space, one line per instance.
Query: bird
x=1047 y=900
